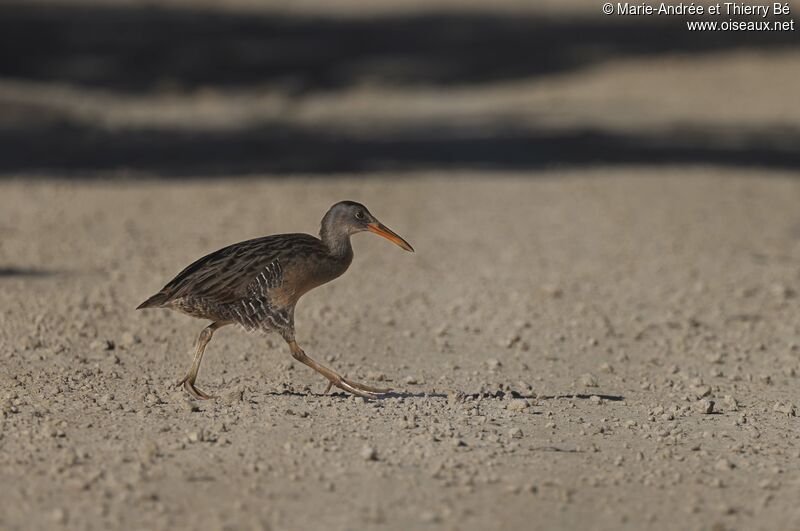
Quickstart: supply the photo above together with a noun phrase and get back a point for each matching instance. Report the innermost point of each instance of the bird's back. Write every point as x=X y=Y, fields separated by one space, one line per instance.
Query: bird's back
x=279 y=266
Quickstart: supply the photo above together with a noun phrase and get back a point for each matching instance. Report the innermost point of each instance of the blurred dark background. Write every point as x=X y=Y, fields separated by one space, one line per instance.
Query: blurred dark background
x=180 y=90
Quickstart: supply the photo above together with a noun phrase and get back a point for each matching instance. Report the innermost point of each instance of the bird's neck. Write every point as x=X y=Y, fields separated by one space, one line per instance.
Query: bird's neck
x=337 y=242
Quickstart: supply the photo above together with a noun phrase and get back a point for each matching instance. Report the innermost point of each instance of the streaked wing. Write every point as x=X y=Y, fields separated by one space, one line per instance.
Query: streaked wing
x=242 y=270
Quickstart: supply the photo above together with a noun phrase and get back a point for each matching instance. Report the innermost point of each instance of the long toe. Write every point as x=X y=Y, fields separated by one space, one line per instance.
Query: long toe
x=345 y=385
x=358 y=392
x=367 y=388
x=195 y=392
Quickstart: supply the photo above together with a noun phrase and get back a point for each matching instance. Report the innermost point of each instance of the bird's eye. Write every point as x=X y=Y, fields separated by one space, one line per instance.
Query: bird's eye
x=359 y=215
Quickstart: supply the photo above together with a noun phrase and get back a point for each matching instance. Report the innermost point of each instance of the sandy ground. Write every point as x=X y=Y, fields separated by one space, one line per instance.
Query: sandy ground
x=600 y=328
x=555 y=344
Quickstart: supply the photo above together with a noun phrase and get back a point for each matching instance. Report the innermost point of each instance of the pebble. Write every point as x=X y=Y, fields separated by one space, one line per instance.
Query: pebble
x=768 y=484
x=148 y=451
x=589 y=380
x=787 y=409
x=189 y=405
x=552 y=290
x=724 y=465
x=518 y=405
x=102 y=344
x=730 y=403
x=233 y=396
x=29 y=343
x=59 y=516
x=510 y=341
x=429 y=517
x=782 y=291
x=369 y=453
x=515 y=433
x=701 y=391
x=455 y=397
x=493 y=364
x=606 y=368
x=128 y=339
x=704 y=406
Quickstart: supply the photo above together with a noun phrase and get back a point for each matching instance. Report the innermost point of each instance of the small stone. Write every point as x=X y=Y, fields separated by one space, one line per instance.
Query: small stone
x=376 y=376
x=233 y=396
x=369 y=453
x=59 y=516
x=455 y=397
x=701 y=391
x=429 y=517
x=493 y=364
x=105 y=399
x=518 y=405
x=552 y=290
x=29 y=343
x=768 y=484
x=594 y=399
x=195 y=436
x=148 y=451
x=724 y=465
x=510 y=341
x=152 y=399
x=782 y=291
x=704 y=406
x=787 y=409
x=606 y=368
x=515 y=433
x=102 y=344
x=128 y=339
x=589 y=380
x=410 y=380
x=730 y=403
x=189 y=405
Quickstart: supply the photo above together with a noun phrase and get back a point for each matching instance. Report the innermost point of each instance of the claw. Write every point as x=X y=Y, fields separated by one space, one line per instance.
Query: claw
x=353 y=391
x=197 y=393
x=368 y=388
x=358 y=389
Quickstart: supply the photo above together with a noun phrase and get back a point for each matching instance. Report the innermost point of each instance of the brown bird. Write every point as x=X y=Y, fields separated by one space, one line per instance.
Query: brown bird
x=257 y=283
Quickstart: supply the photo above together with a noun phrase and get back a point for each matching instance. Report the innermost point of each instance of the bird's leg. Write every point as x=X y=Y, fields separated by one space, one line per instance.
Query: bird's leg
x=333 y=377
x=202 y=340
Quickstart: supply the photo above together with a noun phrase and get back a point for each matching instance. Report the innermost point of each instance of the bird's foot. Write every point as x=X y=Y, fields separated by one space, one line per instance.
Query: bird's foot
x=355 y=388
x=197 y=393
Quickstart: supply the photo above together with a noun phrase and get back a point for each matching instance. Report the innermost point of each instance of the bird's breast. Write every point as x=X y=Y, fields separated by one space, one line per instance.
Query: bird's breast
x=311 y=274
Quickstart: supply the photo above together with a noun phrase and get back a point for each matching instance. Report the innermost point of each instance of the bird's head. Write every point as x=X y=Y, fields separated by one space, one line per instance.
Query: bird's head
x=349 y=217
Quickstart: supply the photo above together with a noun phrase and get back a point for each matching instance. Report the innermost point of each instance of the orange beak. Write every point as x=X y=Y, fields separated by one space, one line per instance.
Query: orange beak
x=381 y=230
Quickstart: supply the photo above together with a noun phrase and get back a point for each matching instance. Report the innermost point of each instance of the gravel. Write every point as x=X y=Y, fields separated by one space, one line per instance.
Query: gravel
x=94 y=437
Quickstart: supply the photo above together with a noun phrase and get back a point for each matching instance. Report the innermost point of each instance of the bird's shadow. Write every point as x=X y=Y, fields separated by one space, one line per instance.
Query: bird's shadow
x=497 y=395
x=26 y=272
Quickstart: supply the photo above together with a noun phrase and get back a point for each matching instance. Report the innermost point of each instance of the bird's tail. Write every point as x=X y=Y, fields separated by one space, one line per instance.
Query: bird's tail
x=155 y=301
